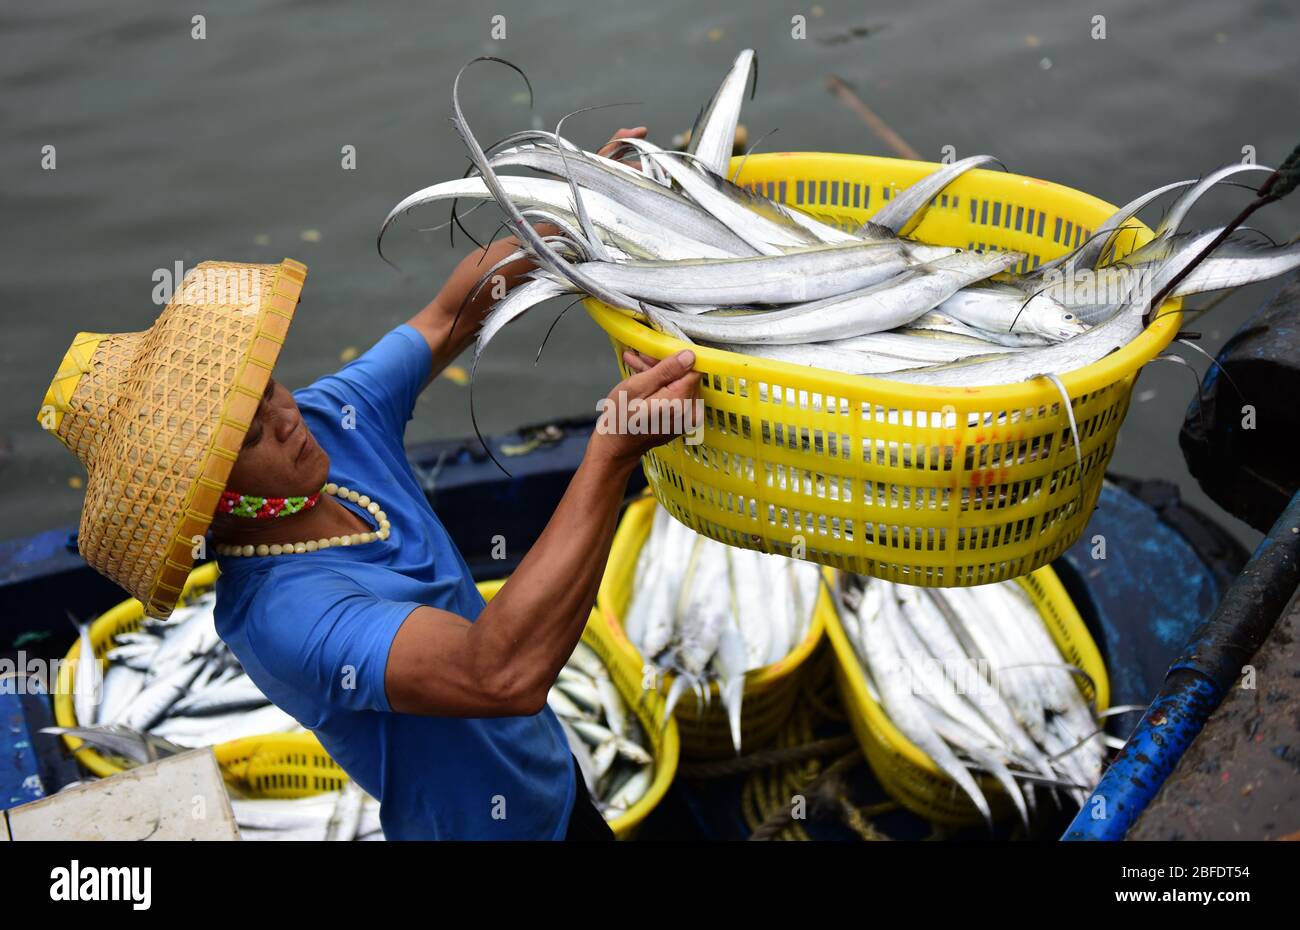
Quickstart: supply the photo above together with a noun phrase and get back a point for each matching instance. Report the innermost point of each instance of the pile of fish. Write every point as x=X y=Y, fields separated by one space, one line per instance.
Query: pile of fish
x=605 y=736
x=349 y=814
x=173 y=681
x=973 y=679
x=173 y=685
x=707 y=612
x=668 y=237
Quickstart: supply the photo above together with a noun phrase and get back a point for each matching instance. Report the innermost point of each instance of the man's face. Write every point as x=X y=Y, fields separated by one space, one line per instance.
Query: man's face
x=280 y=457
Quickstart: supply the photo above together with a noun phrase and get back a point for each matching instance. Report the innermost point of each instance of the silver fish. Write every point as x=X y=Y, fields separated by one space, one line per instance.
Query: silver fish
x=1090 y=252
x=1115 y=332
x=1005 y=308
x=222 y=728
x=889 y=672
x=937 y=321
x=652 y=202
x=514 y=305
x=631 y=790
x=542 y=252
x=236 y=694
x=921 y=347
x=1183 y=205
x=809 y=274
x=768 y=227
x=1024 y=729
x=156 y=698
x=711 y=613
x=88 y=688
x=620 y=225
x=714 y=133
x=873 y=309
x=123 y=742
x=121 y=685
x=903 y=207
x=1233 y=264
x=345 y=819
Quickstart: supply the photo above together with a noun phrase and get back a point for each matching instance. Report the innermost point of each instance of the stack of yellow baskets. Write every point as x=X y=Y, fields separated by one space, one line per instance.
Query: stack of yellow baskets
x=928 y=486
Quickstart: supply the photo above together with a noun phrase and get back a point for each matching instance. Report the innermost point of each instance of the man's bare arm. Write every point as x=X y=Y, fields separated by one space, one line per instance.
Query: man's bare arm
x=435 y=321
x=505 y=662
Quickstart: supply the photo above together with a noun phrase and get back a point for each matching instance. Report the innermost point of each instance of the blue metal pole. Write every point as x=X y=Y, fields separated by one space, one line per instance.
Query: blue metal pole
x=1196 y=683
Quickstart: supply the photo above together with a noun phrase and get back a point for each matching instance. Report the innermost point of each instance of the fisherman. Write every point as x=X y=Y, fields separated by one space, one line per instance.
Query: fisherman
x=340 y=592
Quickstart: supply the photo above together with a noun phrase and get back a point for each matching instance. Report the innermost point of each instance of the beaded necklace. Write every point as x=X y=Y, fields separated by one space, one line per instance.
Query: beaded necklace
x=253 y=507
x=314 y=545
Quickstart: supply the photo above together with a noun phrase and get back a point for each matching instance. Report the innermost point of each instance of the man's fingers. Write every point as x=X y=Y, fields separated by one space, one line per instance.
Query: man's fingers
x=634 y=360
x=638 y=361
x=645 y=383
x=684 y=394
x=682 y=388
x=685 y=382
x=637 y=133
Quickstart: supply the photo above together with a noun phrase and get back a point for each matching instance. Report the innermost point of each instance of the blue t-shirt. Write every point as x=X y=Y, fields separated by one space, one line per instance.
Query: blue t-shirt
x=313 y=631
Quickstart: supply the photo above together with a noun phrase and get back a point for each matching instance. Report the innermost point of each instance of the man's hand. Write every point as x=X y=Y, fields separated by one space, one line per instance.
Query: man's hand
x=609 y=147
x=654 y=405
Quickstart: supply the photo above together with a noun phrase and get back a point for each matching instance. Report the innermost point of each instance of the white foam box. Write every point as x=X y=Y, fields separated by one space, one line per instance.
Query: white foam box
x=182 y=797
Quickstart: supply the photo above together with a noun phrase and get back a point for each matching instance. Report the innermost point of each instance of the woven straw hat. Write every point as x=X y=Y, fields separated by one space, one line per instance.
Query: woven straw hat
x=158 y=418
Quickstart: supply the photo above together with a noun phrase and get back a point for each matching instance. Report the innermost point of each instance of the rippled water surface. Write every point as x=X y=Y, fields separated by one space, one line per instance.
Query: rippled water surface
x=171 y=149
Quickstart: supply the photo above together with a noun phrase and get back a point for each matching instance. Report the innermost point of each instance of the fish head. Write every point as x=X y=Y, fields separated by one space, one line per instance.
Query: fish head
x=971 y=266
x=1046 y=316
x=931 y=253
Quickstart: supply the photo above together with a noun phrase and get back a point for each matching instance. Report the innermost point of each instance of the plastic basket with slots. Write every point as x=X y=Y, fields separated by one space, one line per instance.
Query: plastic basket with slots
x=920 y=485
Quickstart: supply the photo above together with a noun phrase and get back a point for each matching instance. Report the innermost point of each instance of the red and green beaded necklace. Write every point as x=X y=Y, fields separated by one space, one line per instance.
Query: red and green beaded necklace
x=254 y=507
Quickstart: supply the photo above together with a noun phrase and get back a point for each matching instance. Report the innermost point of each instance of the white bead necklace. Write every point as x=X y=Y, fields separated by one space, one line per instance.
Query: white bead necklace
x=313 y=545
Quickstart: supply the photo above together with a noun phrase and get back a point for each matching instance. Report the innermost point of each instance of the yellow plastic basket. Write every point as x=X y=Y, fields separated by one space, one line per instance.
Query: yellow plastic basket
x=279 y=765
x=965 y=485
x=665 y=741
x=904 y=771
x=295 y=765
x=769 y=691
x=126 y=617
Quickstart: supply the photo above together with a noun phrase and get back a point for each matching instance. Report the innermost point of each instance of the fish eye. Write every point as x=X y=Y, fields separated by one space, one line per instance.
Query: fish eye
x=1069 y=316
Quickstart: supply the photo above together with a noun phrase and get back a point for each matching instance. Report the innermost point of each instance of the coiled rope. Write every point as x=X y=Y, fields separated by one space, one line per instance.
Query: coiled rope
x=791 y=782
